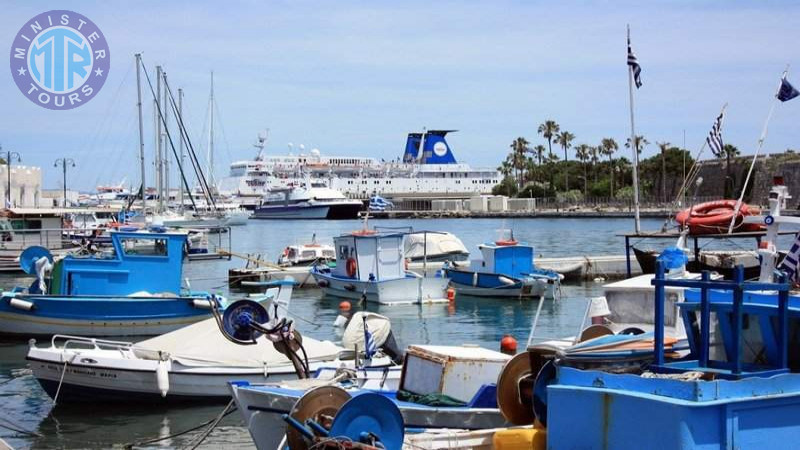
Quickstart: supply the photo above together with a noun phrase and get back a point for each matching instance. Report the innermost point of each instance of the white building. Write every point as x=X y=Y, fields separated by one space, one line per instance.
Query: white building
x=26 y=185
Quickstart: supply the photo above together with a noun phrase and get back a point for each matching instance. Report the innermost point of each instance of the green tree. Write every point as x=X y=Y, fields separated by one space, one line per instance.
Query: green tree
x=564 y=139
x=608 y=146
x=519 y=150
x=641 y=143
x=538 y=151
x=548 y=130
x=663 y=147
x=583 y=153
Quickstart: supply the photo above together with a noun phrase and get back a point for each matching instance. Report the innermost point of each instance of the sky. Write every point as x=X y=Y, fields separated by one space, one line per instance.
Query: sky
x=352 y=78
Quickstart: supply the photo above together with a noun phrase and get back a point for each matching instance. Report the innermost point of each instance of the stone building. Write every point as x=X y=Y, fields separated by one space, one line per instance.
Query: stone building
x=26 y=185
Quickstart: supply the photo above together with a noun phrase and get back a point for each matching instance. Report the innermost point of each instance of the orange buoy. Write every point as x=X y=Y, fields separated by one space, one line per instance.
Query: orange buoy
x=344 y=305
x=352 y=267
x=508 y=345
x=715 y=217
x=451 y=294
x=506 y=242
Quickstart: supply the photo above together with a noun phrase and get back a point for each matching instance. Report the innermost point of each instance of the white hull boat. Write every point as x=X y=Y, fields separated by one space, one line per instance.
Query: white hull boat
x=413 y=289
x=194 y=363
x=262 y=407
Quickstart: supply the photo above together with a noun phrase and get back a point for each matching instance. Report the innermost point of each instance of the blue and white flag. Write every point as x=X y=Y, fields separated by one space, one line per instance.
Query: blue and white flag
x=369 y=342
x=714 y=138
x=634 y=65
x=787 y=91
x=790 y=262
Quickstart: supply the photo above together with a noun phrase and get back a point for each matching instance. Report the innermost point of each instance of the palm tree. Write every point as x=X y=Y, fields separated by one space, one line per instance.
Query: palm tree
x=582 y=152
x=505 y=168
x=593 y=152
x=538 y=151
x=728 y=152
x=548 y=130
x=608 y=146
x=518 y=149
x=641 y=143
x=663 y=146
x=564 y=139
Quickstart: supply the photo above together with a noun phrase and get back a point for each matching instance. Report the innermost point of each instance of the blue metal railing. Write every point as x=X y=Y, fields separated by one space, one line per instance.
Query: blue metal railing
x=737 y=287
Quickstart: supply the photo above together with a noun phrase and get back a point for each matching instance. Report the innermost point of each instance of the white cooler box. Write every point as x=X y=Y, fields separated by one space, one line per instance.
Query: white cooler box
x=455 y=371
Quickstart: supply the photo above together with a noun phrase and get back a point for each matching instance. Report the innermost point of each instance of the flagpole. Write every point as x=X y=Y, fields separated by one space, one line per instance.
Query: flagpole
x=635 y=147
x=688 y=180
x=758 y=151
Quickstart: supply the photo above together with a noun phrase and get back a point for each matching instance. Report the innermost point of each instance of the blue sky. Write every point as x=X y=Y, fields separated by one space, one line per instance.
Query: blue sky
x=354 y=77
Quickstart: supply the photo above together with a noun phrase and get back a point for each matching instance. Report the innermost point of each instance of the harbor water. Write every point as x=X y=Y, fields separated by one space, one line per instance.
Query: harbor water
x=29 y=419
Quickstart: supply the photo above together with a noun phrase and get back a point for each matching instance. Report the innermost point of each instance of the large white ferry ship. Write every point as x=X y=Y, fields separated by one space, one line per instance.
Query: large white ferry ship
x=427 y=169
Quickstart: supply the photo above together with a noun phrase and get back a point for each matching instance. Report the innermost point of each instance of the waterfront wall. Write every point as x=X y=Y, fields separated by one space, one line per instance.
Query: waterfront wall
x=786 y=165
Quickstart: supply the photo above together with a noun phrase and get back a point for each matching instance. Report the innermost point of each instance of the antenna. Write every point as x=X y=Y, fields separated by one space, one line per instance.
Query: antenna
x=261 y=142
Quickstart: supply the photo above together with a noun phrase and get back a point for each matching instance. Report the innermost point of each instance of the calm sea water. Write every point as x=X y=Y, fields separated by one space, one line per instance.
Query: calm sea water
x=29 y=420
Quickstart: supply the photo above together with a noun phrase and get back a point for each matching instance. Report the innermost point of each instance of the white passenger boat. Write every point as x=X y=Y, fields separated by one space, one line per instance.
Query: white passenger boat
x=307 y=201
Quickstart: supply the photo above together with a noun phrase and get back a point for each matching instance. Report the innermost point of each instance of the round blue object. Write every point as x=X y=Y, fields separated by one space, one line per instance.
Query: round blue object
x=239 y=315
x=769 y=220
x=370 y=413
x=28 y=258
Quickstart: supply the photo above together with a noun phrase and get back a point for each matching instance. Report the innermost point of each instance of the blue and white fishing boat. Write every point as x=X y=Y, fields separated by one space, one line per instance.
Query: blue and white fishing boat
x=438 y=388
x=506 y=270
x=132 y=289
x=371 y=264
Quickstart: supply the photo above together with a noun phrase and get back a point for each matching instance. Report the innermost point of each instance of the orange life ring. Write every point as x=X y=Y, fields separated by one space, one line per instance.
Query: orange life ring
x=506 y=242
x=715 y=217
x=352 y=267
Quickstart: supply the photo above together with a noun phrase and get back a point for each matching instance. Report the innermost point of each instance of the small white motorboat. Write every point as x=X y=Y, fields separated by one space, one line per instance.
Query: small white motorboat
x=191 y=364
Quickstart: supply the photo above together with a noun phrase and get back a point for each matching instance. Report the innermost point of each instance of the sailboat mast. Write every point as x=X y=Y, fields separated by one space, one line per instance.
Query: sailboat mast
x=180 y=144
x=210 y=158
x=156 y=109
x=141 y=127
x=165 y=165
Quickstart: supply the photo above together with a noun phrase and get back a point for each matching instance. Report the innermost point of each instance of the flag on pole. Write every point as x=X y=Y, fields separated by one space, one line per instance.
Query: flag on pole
x=787 y=91
x=790 y=263
x=714 y=138
x=634 y=65
x=369 y=342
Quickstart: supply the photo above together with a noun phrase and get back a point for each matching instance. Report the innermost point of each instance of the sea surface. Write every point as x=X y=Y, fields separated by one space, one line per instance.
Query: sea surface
x=28 y=418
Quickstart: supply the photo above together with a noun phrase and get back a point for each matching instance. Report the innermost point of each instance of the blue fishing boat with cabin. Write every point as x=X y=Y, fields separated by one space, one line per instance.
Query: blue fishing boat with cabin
x=506 y=270
x=132 y=289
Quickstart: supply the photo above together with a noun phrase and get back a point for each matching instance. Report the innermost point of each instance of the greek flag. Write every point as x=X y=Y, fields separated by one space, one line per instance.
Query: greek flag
x=369 y=342
x=714 y=138
x=790 y=262
x=634 y=65
x=787 y=91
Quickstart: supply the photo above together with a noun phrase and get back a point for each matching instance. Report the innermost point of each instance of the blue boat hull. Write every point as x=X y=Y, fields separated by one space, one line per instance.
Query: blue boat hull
x=482 y=284
x=97 y=316
x=592 y=409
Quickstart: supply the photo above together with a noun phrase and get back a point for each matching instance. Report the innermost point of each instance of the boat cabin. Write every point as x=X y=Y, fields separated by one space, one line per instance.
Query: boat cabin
x=149 y=262
x=369 y=256
x=511 y=259
x=305 y=254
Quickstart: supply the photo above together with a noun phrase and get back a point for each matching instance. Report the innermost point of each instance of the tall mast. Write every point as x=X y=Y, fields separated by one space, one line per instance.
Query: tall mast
x=180 y=144
x=156 y=109
x=210 y=158
x=165 y=165
x=141 y=128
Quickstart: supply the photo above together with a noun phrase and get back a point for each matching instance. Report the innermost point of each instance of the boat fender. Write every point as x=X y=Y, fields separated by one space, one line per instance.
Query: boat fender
x=21 y=304
x=506 y=280
x=352 y=267
x=162 y=378
x=340 y=321
x=474 y=279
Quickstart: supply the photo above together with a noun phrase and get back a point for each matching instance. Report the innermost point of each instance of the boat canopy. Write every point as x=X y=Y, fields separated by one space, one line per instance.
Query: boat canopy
x=422 y=244
x=203 y=345
x=510 y=260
